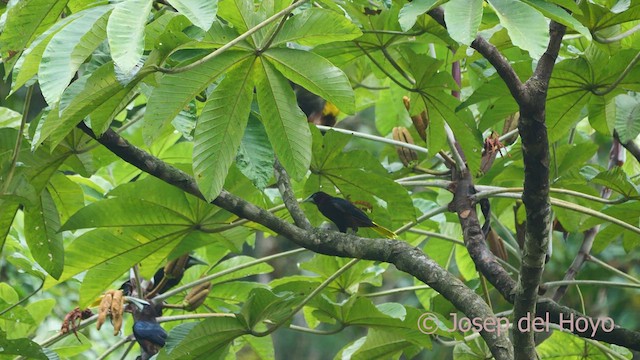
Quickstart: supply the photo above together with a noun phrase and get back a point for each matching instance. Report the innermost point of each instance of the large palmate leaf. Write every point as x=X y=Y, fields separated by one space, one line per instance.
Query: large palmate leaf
x=410 y=12
x=315 y=74
x=25 y=20
x=568 y=94
x=174 y=92
x=202 y=13
x=220 y=129
x=68 y=49
x=208 y=339
x=125 y=31
x=120 y=249
x=556 y=13
x=627 y=115
x=463 y=18
x=255 y=156
x=285 y=123
x=527 y=28
x=85 y=96
x=316 y=26
x=41 y=230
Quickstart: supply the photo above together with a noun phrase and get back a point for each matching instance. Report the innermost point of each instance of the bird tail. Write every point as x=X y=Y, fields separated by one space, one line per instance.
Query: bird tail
x=384 y=231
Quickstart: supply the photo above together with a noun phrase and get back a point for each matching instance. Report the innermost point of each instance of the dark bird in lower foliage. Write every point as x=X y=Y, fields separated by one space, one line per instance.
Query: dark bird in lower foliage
x=175 y=275
x=148 y=333
x=345 y=215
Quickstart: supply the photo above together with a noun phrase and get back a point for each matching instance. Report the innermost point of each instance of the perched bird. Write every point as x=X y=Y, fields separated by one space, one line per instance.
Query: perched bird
x=345 y=215
x=317 y=110
x=172 y=279
x=148 y=333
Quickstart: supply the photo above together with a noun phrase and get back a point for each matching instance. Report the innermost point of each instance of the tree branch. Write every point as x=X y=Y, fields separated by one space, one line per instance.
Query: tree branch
x=289 y=198
x=404 y=256
x=630 y=145
x=535 y=196
x=491 y=53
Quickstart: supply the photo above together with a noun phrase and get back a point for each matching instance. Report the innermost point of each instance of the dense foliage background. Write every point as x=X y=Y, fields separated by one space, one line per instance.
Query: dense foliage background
x=423 y=91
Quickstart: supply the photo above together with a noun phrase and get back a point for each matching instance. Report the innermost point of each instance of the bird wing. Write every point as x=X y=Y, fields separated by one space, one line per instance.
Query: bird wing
x=359 y=217
x=153 y=332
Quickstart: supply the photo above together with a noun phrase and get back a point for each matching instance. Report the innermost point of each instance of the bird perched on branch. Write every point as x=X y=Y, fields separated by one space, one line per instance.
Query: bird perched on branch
x=148 y=333
x=172 y=277
x=345 y=215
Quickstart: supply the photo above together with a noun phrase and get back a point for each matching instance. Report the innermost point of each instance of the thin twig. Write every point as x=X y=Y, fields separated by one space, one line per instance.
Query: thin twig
x=16 y=150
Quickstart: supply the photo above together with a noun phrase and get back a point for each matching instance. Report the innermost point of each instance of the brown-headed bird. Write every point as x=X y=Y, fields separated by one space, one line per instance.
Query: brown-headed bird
x=345 y=215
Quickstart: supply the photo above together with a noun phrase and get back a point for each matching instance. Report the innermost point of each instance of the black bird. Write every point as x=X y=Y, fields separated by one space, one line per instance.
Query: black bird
x=148 y=333
x=175 y=277
x=345 y=215
x=171 y=281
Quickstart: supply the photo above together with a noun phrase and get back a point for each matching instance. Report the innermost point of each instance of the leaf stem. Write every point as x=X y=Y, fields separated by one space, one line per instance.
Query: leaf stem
x=16 y=150
x=309 y=297
x=621 y=77
x=591 y=282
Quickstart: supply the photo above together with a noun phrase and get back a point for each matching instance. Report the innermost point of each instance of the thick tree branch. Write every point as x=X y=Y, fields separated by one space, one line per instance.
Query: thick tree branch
x=491 y=53
x=404 y=256
x=289 y=198
x=535 y=196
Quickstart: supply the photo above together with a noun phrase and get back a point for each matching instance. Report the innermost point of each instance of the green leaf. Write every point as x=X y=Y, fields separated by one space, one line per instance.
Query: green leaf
x=565 y=345
x=27 y=65
x=66 y=194
x=70 y=346
x=527 y=28
x=41 y=231
x=463 y=18
x=120 y=249
x=556 y=13
x=350 y=280
x=220 y=129
x=24 y=21
x=208 y=339
x=68 y=49
x=627 y=114
x=410 y=12
x=126 y=33
x=238 y=261
x=616 y=179
x=315 y=74
x=202 y=13
x=255 y=156
x=262 y=346
x=265 y=305
x=126 y=212
x=100 y=118
x=22 y=347
x=316 y=26
x=360 y=177
x=384 y=344
x=567 y=96
x=602 y=114
x=175 y=91
x=285 y=124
